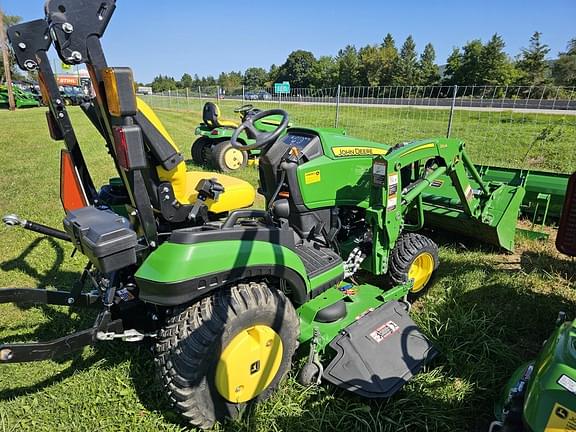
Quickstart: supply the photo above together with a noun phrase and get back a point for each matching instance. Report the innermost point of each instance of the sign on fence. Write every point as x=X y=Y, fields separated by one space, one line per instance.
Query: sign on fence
x=283 y=87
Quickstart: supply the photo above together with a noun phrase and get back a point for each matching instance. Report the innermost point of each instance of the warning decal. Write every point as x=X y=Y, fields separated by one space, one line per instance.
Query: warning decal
x=561 y=419
x=392 y=184
x=384 y=331
x=312 y=177
x=469 y=193
x=568 y=383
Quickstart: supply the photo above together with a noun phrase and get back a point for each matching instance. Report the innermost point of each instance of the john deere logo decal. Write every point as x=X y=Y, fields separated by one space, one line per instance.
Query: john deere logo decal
x=357 y=151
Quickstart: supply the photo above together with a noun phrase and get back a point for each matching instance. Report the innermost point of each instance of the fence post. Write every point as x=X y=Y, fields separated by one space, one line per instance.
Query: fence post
x=170 y=98
x=187 y=100
x=452 y=105
x=243 y=93
x=337 y=119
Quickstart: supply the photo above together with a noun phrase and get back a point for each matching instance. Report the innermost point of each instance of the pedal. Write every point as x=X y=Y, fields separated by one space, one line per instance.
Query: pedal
x=379 y=353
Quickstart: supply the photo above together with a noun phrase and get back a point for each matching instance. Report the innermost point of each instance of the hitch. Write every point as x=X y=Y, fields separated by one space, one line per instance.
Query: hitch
x=37 y=351
x=13 y=220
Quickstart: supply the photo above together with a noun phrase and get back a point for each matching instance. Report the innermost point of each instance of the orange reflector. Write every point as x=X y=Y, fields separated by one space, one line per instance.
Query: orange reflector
x=71 y=193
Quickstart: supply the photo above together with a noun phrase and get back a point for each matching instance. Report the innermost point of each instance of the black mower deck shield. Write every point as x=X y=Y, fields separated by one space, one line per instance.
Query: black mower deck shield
x=378 y=353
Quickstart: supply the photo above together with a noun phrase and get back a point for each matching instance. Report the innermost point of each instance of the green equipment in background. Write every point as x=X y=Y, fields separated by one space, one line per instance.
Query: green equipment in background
x=213 y=145
x=541 y=394
x=22 y=99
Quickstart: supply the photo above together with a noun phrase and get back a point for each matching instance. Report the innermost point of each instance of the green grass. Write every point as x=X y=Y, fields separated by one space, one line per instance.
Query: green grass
x=487 y=312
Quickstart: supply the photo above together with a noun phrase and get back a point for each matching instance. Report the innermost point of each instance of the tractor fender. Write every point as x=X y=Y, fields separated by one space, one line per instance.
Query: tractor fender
x=176 y=274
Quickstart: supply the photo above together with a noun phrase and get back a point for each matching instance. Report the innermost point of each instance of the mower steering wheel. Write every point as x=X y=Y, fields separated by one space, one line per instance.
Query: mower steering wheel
x=244 y=108
x=263 y=139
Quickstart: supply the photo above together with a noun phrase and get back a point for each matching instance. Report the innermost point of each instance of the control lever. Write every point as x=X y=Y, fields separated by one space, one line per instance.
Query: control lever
x=207 y=189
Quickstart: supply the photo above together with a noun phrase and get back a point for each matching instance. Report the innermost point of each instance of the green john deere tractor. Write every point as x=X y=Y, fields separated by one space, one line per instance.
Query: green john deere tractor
x=229 y=292
x=22 y=99
x=541 y=394
x=213 y=145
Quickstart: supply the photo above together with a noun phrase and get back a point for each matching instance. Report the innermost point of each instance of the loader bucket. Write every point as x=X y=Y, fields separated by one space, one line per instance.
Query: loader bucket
x=538 y=184
x=496 y=223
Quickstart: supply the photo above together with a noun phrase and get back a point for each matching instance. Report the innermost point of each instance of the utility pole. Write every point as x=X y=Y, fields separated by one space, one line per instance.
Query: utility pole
x=6 y=60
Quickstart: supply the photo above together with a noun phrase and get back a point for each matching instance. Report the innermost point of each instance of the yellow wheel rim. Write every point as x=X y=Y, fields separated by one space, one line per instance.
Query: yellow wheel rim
x=421 y=271
x=233 y=158
x=249 y=363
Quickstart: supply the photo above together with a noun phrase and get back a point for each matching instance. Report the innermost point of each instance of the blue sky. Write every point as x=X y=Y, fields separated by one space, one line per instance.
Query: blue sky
x=172 y=37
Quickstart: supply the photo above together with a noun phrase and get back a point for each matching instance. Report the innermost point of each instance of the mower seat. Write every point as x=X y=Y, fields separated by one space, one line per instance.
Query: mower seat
x=211 y=117
x=237 y=193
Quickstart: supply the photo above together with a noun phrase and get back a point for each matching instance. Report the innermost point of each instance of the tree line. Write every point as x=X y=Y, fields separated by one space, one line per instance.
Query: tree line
x=476 y=63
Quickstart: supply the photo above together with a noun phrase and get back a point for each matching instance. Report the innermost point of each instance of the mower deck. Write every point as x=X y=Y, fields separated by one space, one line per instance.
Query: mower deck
x=378 y=353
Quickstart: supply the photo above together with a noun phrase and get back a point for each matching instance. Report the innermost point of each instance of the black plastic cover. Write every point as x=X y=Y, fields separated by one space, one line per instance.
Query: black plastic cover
x=106 y=238
x=379 y=353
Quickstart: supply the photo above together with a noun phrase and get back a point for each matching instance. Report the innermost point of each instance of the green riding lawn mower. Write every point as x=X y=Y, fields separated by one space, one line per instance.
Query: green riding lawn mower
x=213 y=147
x=541 y=394
x=228 y=293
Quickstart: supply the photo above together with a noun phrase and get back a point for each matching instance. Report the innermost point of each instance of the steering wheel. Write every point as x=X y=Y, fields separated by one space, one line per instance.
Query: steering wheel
x=263 y=139
x=244 y=108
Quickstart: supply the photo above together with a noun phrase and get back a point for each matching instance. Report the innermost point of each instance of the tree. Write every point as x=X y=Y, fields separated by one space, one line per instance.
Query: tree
x=532 y=65
x=407 y=66
x=453 y=65
x=186 y=81
x=429 y=71
x=231 y=80
x=495 y=65
x=297 y=68
x=273 y=73
x=255 y=78
x=324 y=73
x=389 y=60
x=348 y=66
x=371 y=65
x=9 y=20
x=163 y=83
x=564 y=69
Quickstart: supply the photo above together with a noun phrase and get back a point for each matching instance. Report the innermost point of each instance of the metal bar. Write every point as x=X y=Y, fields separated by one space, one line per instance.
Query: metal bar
x=337 y=119
x=43 y=296
x=451 y=116
x=56 y=348
x=422 y=184
x=472 y=170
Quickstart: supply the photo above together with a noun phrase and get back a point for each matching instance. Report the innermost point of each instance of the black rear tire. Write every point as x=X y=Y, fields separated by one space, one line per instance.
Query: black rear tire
x=199 y=149
x=191 y=344
x=226 y=158
x=410 y=247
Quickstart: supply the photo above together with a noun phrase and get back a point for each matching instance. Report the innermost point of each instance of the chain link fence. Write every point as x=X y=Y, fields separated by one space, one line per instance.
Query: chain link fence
x=523 y=127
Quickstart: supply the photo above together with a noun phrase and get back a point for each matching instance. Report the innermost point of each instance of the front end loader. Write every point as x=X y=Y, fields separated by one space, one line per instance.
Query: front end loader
x=228 y=292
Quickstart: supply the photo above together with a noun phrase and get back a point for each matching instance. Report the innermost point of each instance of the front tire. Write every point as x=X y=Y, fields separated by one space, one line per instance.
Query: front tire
x=227 y=158
x=237 y=343
x=413 y=257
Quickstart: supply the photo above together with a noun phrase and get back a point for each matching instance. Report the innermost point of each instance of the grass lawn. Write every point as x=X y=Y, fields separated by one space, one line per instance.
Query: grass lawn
x=487 y=312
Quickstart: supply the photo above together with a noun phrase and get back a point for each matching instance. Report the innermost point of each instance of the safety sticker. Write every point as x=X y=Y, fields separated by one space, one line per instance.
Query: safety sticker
x=469 y=193
x=391 y=205
x=561 y=419
x=437 y=183
x=568 y=383
x=384 y=331
x=312 y=177
x=392 y=184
